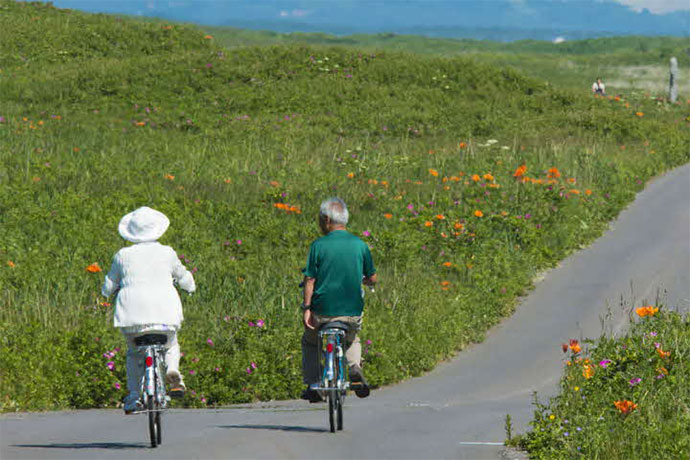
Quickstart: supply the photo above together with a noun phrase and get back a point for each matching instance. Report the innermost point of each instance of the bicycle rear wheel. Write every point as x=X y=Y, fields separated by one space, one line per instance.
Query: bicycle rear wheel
x=332 y=409
x=153 y=431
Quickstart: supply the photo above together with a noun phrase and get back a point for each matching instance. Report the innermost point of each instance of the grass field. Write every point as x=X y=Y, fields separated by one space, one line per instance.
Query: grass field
x=466 y=178
x=620 y=398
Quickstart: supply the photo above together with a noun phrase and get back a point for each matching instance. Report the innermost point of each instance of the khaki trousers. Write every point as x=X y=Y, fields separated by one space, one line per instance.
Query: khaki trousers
x=310 y=345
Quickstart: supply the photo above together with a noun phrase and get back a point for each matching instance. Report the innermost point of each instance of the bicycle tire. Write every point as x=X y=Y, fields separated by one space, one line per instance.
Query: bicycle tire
x=338 y=395
x=159 y=388
x=152 y=420
x=332 y=409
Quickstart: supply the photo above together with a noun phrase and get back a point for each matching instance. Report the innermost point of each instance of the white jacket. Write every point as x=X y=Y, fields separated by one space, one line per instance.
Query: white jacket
x=144 y=275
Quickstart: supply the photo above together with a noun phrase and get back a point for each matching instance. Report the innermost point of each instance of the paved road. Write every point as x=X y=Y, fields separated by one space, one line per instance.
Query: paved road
x=456 y=411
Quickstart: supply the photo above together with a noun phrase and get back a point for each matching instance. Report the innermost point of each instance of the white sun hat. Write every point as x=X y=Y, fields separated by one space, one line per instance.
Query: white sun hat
x=142 y=225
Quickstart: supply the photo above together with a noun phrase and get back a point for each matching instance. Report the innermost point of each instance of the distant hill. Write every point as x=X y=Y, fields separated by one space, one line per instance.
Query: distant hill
x=504 y=20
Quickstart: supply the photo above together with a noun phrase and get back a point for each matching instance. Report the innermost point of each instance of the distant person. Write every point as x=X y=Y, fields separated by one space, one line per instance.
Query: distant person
x=598 y=88
x=147 y=302
x=337 y=266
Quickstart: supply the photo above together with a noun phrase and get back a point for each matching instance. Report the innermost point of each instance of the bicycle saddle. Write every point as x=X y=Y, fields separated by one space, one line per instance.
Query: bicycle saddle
x=336 y=325
x=150 y=339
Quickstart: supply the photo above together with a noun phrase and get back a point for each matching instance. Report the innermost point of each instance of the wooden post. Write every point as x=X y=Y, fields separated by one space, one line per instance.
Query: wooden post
x=673 y=81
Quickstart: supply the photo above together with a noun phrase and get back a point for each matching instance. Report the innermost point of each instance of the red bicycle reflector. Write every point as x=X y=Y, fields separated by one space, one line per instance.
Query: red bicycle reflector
x=329 y=348
x=149 y=361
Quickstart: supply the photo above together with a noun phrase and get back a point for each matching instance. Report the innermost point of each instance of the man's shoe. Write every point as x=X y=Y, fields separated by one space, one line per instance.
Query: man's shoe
x=132 y=404
x=177 y=387
x=312 y=395
x=357 y=382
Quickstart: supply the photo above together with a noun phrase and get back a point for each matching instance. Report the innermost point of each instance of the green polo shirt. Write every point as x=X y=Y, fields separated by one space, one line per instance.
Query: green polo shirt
x=338 y=261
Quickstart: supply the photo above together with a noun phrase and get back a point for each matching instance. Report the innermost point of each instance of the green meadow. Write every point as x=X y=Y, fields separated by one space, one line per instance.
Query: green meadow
x=467 y=177
x=623 y=397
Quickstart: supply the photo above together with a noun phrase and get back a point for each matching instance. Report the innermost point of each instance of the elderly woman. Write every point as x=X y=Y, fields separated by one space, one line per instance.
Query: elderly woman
x=147 y=302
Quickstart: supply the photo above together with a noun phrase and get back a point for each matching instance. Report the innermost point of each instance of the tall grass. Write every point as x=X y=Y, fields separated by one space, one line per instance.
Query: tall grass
x=215 y=137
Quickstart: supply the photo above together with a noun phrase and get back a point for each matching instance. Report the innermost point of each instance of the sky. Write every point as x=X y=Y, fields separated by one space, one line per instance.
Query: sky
x=507 y=19
x=657 y=6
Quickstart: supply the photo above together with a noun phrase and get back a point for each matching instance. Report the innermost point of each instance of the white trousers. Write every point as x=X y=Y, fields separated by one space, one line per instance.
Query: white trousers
x=135 y=359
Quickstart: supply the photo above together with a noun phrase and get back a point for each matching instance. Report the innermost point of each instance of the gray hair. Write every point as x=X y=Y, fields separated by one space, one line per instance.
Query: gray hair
x=336 y=210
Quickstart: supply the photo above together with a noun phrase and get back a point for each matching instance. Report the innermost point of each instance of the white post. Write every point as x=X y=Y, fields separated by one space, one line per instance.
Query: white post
x=673 y=81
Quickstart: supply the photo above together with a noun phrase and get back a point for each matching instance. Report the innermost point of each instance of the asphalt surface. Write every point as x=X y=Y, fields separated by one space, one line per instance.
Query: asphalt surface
x=458 y=410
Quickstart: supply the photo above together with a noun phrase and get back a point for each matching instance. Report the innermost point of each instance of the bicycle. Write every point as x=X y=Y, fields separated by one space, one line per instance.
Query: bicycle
x=152 y=389
x=334 y=383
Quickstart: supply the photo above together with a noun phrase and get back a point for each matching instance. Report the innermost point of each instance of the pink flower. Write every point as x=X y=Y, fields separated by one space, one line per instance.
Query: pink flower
x=260 y=323
x=635 y=381
x=239 y=242
x=368 y=342
x=366 y=233
x=253 y=364
x=192 y=372
x=249 y=370
x=111 y=365
x=209 y=341
x=251 y=324
x=604 y=363
x=117 y=385
x=217 y=369
x=226 y=318
x=203 y=399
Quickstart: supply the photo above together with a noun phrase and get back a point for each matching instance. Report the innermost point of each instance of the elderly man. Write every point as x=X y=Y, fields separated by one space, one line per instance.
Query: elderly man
x=337 y=265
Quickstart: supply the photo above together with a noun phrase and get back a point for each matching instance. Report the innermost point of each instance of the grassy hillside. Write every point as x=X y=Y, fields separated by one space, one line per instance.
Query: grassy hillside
x=100 y=115
x=625 y=63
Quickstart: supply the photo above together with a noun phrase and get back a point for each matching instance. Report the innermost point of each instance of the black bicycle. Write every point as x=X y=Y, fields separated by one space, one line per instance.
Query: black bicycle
x=152 y=390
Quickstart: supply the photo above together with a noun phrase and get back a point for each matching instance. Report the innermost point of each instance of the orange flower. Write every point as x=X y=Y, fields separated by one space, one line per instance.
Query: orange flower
x=11 y=264
x=140 y=123
x=663 y=354
x=428 y=223
x=447 y=264
x=649 y=310
x=520 y=171
x=588 y=371
x=462 y=145
x=478 y=213
x=488 y=177
x=388 y=215
x=445 y=283
x=274 y=183
x=458 y=226
x=455 y=178
x=571 y=180
x=575 y=346
x=574 y=191
x=639 y=114
x=553 y=173
x=445 y=187
x=588 y=192
x=440 y=216
x=94 y=268
x=476 y=178
x=662 y=370
x=433 y=172
x=208 y=37
x=625 y=406
x=444 y=235
x=228 y=181
x=350 y=175
x=384 y=182
x=75 y=149
x=431 y=152
x=169 y=177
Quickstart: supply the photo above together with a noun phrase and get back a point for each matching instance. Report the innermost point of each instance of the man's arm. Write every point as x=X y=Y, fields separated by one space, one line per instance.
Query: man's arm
x=308 y=293
x=370 y=281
